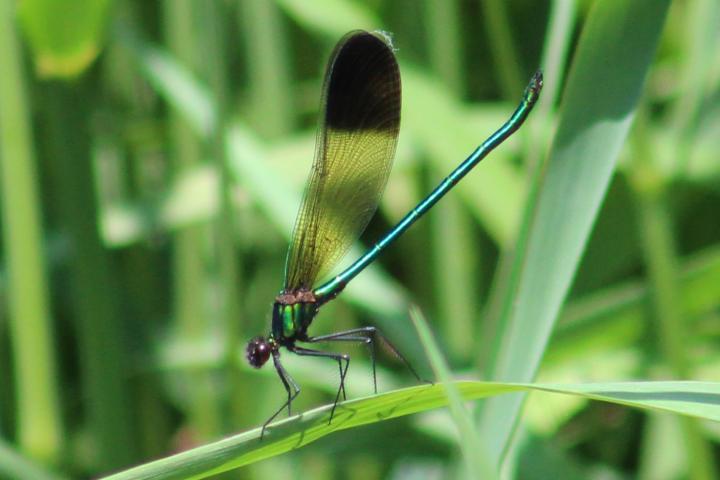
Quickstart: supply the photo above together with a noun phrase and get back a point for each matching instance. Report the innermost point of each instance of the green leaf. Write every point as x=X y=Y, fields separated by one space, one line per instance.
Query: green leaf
x=333 y=18
x=37 y=414
x=15 y=465
x=475 y=456
x=697 y=399
x=65 y=36
x=178 y=86
x=614 y=54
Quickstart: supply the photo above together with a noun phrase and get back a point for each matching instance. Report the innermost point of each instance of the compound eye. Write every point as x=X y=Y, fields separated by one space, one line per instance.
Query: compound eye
x=257 y=352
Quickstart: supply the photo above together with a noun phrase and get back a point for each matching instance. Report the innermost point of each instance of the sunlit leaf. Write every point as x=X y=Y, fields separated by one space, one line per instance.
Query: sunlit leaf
x=697 y=399
x=65 y=36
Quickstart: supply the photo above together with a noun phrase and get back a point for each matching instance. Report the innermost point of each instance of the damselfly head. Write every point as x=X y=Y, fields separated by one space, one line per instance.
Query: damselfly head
x=258 y=351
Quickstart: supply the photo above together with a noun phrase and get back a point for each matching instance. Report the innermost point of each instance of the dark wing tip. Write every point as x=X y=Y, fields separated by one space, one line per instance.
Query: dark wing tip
x=362 y=85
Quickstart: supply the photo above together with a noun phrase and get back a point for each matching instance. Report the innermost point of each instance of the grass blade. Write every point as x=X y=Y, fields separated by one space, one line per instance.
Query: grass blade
x=698 y=399
x=38 y=422
x=473 y=450
x=599 y=104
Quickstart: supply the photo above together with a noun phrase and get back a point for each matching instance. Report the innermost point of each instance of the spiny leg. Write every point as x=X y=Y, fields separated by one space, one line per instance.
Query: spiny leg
x=360 y=335
x=291 y=388
x=366 y=335
x=339 y=357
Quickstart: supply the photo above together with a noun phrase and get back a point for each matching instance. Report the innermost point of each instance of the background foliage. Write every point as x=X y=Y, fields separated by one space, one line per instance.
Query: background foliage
x=153 y=156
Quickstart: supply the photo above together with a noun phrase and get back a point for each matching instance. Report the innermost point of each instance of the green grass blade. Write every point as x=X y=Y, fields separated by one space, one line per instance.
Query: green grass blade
x=537 y=141
x=65 y=36
x=334 y=18
x=504 y=50
x=102 y=347
x=659 y=244
x=14 y=465
x=191 y=98
x=476 y=460
x=454 y=283
x=615 y=317
x=39 y=430
x=190 y=312
x=600 y=99
x=444 y=46
x=696 y=399
x=270 y=79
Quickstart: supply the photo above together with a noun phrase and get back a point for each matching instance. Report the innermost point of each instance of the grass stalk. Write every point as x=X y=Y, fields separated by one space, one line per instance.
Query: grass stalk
x=189 y=264
x=270 y=87
x=504 y=50
x=93 y=281
x=660 y=253
x=455 y=286
x=39 y=425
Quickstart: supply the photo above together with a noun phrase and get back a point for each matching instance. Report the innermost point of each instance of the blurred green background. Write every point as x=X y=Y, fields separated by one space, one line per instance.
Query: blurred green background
x=153 y=156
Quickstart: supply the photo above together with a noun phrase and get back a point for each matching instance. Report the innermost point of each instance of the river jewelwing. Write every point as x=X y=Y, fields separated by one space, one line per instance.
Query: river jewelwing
x=354 y=150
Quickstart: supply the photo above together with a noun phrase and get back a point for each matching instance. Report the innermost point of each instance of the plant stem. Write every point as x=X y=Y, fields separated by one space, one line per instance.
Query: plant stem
x=39 y=426
x=660 y=251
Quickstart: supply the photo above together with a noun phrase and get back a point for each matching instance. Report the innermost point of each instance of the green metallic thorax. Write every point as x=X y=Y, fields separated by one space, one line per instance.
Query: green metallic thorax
x=293 y=313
